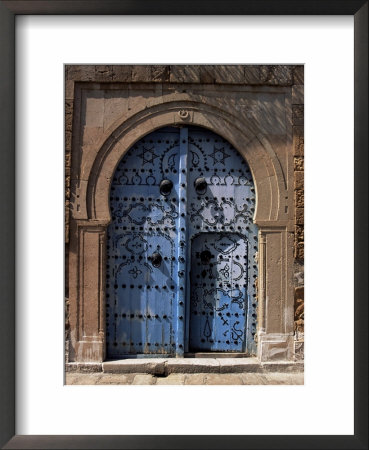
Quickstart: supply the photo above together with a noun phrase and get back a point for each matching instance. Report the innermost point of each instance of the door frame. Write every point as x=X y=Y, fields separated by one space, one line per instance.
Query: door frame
x=273 y=216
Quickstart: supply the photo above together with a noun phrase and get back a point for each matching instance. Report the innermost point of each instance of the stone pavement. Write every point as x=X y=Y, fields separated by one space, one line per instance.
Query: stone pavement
x=272 y=378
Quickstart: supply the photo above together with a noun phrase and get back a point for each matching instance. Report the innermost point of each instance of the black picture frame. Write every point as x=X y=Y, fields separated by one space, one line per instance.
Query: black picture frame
x=8 y=11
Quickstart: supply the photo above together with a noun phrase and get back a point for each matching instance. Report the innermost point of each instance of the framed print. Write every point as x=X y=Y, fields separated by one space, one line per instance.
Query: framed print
x=114 y=232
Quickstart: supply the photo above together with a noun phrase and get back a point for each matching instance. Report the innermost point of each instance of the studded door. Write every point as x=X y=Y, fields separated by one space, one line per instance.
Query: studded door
x=223 y=238
x=142 y=251
x=181 y=268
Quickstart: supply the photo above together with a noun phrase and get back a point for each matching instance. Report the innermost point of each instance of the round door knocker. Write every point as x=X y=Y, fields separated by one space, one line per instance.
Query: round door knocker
x=165 y=187
x=200 y=185
x=155 y=259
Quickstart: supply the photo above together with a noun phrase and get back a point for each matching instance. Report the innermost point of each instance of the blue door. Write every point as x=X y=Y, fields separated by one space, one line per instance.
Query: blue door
x=218 y=292
x=181 y=250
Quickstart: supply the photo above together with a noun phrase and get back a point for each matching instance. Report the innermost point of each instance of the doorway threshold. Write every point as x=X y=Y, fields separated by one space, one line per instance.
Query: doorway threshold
x=166 y=366
x=216 y=355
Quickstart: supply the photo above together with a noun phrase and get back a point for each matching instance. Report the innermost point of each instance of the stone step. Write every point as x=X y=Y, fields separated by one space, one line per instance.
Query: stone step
x=165 y=366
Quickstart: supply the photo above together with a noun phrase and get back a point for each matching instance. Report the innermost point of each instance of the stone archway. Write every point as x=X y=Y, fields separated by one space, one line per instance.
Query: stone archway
x=265 y=167
x=91 y=217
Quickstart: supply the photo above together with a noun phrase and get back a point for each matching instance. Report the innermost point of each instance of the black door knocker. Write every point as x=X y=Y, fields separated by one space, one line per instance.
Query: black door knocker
x=200 y=185
x=205 y=256
x=155 y=259
x=165 y=187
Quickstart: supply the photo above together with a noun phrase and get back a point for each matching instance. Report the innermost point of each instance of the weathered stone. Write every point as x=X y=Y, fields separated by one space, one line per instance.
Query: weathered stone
x=284 y=378
x=236 y=365
x=276 y=75
x=282 y=367
x=81 y=73
x=88 y=367
x=299 y=292
x=297 y=114
x=298 y=276
x=222 y=74
x=122 y=73
x=103 y=73
x=141 y=74
x=299 y=180
x=187 y=366
x=155 y=367
x=67 y=181
x=299 y=233
x=298 y=130
x=283 y=75
x=253 y=378
x=298 y=95
x=299 y=163
x=174 y=378
x=67 y=160
x=299 y=198
x=144 y=379
x=69 y=89
x=207 y=74
x=67 y=237
x=83 y=367
x=184 y=74
x=299 y=336
x=299 y=351
x=252 y=75
x=299 y=325
x=108 y=378
x=91 y=136
x=68 y=140
x=68 y=115
x=275 y=351
x=298 y=140
x=298 y=75
x=299 y=304
x=299 y=251
x=160 y=73
x=298 y=273
x=94 y=108
x=68 y=122
x=293 y=378
x=299 y=312
x=218 y=379
x=298 y=145
x=299 y=217
x=67 y=211
x=194 y=378
x=77 y=379
x=68 y=106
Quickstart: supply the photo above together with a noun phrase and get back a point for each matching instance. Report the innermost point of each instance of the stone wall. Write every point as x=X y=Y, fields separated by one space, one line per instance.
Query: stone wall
x=298 y=146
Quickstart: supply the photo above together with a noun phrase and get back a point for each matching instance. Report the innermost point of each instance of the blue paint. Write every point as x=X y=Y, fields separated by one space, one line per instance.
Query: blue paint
x=177 y=193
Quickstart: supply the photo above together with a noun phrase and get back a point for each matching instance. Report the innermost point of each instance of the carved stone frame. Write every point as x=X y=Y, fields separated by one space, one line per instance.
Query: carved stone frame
x=91 y=176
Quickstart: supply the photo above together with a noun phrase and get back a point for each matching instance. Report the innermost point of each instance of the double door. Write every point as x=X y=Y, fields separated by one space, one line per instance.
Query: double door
x=181 y=248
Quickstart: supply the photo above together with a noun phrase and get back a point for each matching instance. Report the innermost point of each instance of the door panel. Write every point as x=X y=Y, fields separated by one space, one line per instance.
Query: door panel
x=221 y=204
x=177 y=193
x=142 y=249
x=218 y=292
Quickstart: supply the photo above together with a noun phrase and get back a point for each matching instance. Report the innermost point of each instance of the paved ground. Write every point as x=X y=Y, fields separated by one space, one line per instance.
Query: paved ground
x=184 y=379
